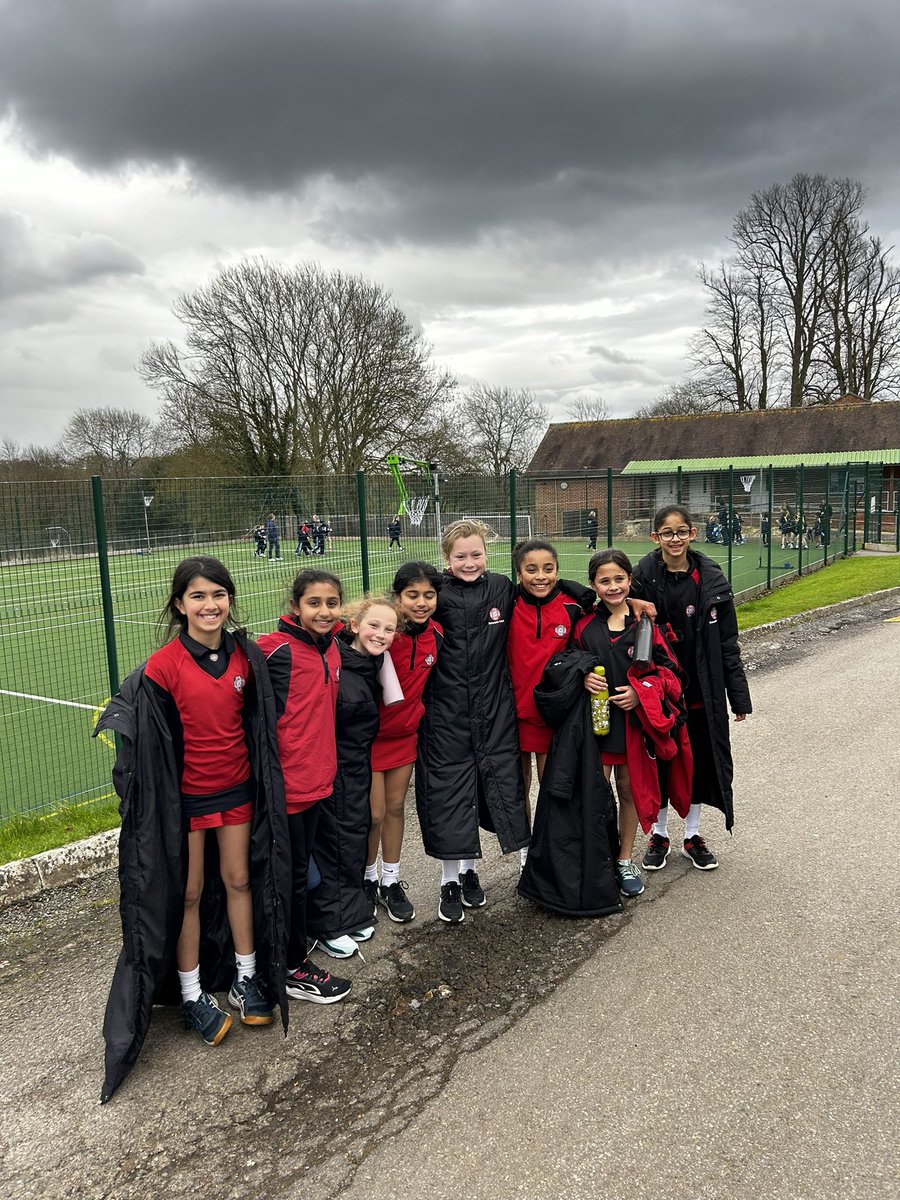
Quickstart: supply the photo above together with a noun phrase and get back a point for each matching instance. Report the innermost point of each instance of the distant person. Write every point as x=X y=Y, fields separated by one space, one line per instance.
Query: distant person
x=259 y=537
x=592 y=529
x=393 y=531
x=319 y=530
x=273 y=538
x=764 y=531
x=304 y=544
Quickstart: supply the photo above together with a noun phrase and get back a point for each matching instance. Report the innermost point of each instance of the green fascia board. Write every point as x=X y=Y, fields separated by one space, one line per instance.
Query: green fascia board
x=836 y=458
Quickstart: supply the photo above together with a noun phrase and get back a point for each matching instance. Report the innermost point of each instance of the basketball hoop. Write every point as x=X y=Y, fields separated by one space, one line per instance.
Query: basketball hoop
x=747 y=482
x=415 y=509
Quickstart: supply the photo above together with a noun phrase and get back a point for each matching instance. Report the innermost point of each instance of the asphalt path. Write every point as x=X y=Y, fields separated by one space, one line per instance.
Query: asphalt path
x=732 y=1034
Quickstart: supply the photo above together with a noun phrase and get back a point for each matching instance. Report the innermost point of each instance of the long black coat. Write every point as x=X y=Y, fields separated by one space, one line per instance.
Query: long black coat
x=719 y=669
x=338 y=904
x=571 y=863
x=153 y=866
x=468 y=771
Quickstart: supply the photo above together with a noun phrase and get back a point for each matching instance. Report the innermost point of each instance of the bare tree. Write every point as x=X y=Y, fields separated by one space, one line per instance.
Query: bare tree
x=785 y=238
x=734 y=353
x=504 y=426
x=587 y=406
x=294 y=369
x=108 y=440
x=684 y=399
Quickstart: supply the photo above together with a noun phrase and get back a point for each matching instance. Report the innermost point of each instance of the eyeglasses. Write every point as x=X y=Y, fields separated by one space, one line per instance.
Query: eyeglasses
x=666 y=535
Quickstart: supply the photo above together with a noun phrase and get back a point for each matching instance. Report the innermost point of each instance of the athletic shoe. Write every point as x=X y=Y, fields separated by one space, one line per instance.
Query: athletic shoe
x=450 y=908
x=310 y=982
x=370 y=887
x=629 y=878
x=656 y=853
x=255 y=1006
x=362 y=935
x=338 y=947
x=472 y=892
x=394 y=900
x=698 y=852
x=207 y=1018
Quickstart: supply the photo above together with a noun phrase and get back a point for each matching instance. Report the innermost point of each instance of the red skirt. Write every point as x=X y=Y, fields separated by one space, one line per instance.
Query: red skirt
x=388 y=753
x=534 y=739
x=613 y=760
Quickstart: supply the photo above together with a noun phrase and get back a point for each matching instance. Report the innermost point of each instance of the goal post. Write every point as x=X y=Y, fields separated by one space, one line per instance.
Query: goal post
x=499 y=526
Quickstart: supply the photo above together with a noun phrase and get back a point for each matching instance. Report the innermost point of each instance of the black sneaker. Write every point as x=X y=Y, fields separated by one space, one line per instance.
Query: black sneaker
x=698 y=852
x=310 y=982
x=207 y=1018
x=394 y=900
x=370 y=887
x=656 y=853
x=450 y=908
x=247 y=994
x=472 y=891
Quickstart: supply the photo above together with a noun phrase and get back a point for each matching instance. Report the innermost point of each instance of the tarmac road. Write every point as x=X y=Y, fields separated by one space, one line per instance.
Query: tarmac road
x=733 y=1034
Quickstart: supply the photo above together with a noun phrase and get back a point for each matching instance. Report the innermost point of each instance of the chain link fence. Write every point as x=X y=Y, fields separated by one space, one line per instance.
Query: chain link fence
x=85 y=566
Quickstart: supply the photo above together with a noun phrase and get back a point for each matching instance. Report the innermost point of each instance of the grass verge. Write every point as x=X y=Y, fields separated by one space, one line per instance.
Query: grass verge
x=22 y=837
x=845 y=580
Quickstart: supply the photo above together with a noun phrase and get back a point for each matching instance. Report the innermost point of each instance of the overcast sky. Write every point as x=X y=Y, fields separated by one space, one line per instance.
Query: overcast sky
x=534 y=182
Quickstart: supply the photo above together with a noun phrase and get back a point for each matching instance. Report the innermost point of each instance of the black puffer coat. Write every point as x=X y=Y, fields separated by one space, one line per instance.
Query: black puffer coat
x=571 y=863
x=338 y=904
x=153 y=866
x=468 y=770
x=719 y=670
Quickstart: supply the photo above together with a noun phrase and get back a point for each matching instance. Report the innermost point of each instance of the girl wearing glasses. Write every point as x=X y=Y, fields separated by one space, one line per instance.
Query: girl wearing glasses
x=692 y=594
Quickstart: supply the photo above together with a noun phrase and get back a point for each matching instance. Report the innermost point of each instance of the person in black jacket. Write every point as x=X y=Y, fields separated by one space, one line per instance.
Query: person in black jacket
x=393 y=531
x=468 y=770
x=691 y=593
x=592 y=529
x=198 y=753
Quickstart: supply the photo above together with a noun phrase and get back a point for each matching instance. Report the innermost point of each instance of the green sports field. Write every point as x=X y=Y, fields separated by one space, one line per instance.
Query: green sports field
x=54 y=677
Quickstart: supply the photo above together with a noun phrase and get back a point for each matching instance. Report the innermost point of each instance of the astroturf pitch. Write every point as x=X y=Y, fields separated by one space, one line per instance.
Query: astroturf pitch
x=54 y=677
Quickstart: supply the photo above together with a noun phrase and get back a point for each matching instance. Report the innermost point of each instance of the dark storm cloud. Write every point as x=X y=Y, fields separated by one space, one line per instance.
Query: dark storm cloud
x=466 y=115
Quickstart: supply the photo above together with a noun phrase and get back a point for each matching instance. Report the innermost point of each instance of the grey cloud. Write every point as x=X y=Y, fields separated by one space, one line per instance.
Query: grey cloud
x=468 y=115
x=34 y=262
x=617 y=357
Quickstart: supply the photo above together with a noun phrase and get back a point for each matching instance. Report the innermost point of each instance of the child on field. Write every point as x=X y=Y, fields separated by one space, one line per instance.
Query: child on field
x=542 y=622
x=414 y=652
x=197 y=726
x=340 y=909
x=691 y=593
x=393 y=532
x=304 y=666
x=468 y=772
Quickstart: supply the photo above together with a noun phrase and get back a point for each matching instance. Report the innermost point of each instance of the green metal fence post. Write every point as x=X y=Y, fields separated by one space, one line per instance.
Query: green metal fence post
x=363 y=528
x=678 y=485
x=771 y=529
x=730 y=517
x=801 y=522
x=19 y=533
x=512 y=522
x=826 y=531
x=609 y=498
x=846 y=504
x=109 y=629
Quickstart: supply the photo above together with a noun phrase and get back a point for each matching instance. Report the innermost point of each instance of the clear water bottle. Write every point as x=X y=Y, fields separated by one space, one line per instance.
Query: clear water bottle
x=600 y=706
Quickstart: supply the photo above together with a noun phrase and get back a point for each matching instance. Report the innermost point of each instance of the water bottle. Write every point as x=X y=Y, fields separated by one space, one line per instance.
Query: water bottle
x=643 y=641
x=600 y=706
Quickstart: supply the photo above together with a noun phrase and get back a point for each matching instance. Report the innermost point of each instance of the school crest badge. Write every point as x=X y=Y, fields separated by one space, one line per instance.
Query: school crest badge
x=239 y=682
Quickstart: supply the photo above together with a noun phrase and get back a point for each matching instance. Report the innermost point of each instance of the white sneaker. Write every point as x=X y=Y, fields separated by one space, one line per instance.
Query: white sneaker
x=362 y=935
x=338 y=947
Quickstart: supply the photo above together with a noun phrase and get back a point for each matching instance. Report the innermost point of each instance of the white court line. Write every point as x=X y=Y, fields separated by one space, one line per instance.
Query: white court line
x=48 y=700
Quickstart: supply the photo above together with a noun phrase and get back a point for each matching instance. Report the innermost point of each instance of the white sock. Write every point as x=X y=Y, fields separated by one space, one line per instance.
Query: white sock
x=466 y=864
x=390 y=873
x=523 y=855
x=661 y=824
x=246 y=965
x=189 y=982
x=372 y=872
x=692 y=822
x=623 y=862
x=449 y=871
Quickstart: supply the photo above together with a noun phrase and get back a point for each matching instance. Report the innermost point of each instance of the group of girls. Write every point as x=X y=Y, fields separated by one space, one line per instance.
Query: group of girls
x=301 y=747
